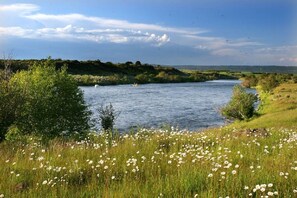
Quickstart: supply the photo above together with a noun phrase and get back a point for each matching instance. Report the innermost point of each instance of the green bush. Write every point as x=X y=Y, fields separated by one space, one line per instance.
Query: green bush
x=9 y=103
x=107 y=117
x=241 y=105
x=53 y=105
x=250 y=81
x=268 y=83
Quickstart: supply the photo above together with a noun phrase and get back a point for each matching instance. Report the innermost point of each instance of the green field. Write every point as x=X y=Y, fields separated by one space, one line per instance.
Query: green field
x=246 y=159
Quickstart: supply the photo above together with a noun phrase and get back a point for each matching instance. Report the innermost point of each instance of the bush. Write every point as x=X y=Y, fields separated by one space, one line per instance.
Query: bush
x=268 y=83
x=53 y=104
x=9 y=103
x=107 y=117
x=250 y=81
x=241 y=105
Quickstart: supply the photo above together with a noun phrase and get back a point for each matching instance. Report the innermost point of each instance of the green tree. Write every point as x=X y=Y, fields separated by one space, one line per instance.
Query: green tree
x=241 y=105
x=53 y=104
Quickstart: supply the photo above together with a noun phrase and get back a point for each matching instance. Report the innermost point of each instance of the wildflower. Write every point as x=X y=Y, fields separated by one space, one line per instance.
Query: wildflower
x=246 y=188
x=210 y=175
x=270 y=193
x=1 y=195
x=112 y=177
x=40 y=158
x=270 y=185
x=262 y=189
x=236 y=166
x=275 y=193
x=105 y=167
x=44 y=182
x=233 y=172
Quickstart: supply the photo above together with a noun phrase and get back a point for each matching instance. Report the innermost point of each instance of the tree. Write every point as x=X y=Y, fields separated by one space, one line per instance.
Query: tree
x=138 y=63
x=241 y=105
x=53 y=104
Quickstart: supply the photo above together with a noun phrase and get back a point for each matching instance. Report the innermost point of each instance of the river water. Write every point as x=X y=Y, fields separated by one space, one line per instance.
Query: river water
x=191 y=106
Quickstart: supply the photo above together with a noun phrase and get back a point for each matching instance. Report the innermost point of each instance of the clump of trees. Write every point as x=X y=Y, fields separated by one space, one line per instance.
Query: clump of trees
x=267 y=82
x=42 y=101
x=241 y=105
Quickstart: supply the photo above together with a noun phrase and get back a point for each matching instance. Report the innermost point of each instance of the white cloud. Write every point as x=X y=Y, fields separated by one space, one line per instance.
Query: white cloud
x=72 y=33
x=226 y=52
x=21 y=8
x=108 y=23
x=15 y=31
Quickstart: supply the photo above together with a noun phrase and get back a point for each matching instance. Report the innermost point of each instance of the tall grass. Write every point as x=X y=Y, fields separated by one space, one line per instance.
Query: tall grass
x=154 y=163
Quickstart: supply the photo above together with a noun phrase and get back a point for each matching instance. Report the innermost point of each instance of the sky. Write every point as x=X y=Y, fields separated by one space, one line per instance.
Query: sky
x=166 y=32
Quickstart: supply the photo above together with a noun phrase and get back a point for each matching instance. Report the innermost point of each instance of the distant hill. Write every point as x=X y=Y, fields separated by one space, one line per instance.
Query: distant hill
x=253 y=69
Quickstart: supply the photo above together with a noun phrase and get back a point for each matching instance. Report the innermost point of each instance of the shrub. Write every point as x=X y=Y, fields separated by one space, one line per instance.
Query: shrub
x=53 y=104
x=9 y=103
x=250 y=81
x=241 y=105
x=268 y=83
x=107 y=117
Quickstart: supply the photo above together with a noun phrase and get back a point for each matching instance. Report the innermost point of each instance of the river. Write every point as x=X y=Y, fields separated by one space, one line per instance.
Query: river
x=191 y=106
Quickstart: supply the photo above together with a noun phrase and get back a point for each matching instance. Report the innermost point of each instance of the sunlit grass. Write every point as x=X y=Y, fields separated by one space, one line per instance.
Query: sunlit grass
x=154 y=163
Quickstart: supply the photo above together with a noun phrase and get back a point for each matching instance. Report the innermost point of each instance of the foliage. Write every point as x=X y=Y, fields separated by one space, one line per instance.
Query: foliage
x=53 y=104
x=10 y=101
x=268 y=83
x=250 y=81
x=107 y=117
x=241 y=105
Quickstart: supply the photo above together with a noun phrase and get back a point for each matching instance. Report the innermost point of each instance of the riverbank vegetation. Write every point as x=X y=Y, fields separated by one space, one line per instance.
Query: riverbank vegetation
x=252 y=158
x=97 y=72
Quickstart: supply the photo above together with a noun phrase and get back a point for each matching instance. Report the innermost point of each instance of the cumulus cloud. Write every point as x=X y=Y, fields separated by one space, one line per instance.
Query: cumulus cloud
x=72 y=33
x=108 y=23
x=80 y=27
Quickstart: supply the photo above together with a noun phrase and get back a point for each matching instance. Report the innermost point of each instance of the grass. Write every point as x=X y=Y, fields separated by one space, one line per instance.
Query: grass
x=229 y=161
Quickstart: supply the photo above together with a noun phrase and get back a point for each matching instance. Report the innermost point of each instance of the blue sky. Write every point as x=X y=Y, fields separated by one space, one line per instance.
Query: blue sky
x=172 y=32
